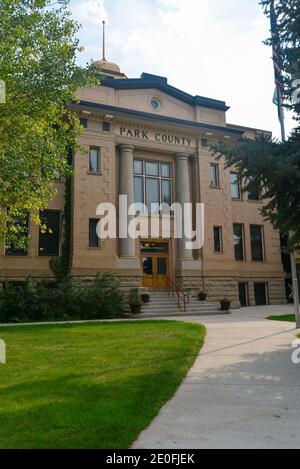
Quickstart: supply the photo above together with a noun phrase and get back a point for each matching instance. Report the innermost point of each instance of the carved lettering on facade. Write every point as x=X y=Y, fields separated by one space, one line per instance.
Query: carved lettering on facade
x=157 y=137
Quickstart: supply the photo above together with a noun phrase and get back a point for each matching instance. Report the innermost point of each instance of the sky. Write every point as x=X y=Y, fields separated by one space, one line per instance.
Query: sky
x=211 y=48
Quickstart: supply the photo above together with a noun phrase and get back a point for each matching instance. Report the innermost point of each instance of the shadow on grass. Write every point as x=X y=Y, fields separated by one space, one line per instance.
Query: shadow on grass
x=90 y=387
x=71 y=413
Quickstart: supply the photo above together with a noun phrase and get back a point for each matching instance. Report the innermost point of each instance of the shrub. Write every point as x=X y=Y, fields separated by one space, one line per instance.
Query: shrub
x=17 y=302
x=135 y=297
x=101 y=299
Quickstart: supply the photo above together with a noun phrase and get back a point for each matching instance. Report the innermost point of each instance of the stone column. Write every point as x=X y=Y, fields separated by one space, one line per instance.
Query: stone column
x=195 y=183
x=183 y=196
x=127 y=246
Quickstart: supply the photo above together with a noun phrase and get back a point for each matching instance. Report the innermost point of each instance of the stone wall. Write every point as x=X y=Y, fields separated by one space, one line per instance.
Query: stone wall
x=276 y=290
x=128 y=283
x=218 y=288
x=192 y=285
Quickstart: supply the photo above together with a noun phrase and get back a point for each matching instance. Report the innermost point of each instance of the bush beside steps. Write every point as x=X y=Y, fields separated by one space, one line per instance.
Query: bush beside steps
x=47 y=302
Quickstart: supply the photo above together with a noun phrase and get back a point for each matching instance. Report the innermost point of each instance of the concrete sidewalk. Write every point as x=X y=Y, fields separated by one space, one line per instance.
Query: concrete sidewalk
x=242 y=392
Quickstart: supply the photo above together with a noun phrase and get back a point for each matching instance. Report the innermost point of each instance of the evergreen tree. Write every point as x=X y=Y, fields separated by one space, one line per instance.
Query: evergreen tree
x=273 y=167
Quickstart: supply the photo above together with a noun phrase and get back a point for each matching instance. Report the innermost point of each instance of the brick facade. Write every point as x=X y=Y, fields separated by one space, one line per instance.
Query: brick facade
x=178 y=127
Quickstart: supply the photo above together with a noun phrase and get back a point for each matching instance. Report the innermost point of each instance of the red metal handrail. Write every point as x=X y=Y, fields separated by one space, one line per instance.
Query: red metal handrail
x=181 y=296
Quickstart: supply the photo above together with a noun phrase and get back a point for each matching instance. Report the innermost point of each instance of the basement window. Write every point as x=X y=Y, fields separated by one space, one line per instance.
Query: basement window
x=84 y=123
x=106 y=126
x=94 y=241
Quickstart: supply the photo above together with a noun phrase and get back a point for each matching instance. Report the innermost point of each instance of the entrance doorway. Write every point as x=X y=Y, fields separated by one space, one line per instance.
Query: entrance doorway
x=155 y=264
x=260 y=294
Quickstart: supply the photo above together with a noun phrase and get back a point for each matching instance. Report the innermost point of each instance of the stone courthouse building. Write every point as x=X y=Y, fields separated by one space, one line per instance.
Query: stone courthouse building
x=148 y=140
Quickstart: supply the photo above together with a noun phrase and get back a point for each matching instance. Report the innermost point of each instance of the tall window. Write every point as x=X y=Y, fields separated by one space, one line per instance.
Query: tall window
x=214 y=175
x=49 y=233
x=218 y=243
x=94 y=160
x=22 y=225
x=257 y=248
x=93 y=237
x=239 y=245
x=152 y=185
x=253 y=193
x=235 y=186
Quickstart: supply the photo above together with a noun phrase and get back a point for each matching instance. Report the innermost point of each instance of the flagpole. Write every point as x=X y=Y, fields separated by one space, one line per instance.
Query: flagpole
x=283 y=138
x=281 y=115
x=295 y=288
x=293 y=256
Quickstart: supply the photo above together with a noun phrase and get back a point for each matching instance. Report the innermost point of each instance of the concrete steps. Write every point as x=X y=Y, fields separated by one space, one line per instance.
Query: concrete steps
x=163 y=305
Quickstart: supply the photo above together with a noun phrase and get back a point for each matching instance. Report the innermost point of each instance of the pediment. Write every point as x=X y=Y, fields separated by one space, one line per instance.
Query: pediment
x=142 y=100
x=160 y=84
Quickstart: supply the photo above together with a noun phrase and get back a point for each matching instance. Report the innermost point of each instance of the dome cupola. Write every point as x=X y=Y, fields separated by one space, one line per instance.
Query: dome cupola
x=109 y=69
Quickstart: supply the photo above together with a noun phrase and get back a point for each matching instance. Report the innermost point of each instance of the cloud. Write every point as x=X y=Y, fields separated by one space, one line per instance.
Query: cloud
x=210 y=47
x=89 y=12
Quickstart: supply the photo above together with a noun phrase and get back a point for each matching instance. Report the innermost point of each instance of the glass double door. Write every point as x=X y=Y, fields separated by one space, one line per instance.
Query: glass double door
x=155 y=270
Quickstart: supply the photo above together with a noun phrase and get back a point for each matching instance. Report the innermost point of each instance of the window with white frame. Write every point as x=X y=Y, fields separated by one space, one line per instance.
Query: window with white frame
x=152 y=185
x=253 y=192
x=218 y=241
x=236 y=191
x=257 y=242
x=239 y=241
x=214 y=175
x=94 y=160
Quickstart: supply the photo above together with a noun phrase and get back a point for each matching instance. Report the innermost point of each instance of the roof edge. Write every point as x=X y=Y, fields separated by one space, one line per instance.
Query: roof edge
x=96 y=107
x=147 y=81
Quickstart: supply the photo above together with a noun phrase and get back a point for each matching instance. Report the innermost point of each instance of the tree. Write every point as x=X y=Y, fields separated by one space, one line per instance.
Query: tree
x=266 y=165
x=287 y=13
x=273 y=170
x=38 y=51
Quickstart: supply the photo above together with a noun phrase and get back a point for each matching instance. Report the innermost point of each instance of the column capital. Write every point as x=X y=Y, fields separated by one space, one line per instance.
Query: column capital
x=126 y=147
x=181 y=156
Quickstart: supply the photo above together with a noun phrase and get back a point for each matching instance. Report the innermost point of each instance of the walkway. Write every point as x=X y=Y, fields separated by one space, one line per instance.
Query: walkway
x=242 y=392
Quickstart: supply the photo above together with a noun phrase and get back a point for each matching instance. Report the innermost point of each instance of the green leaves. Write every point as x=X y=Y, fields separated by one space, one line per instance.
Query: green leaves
x=38 y=51
x=287 y=13
x=273 y=169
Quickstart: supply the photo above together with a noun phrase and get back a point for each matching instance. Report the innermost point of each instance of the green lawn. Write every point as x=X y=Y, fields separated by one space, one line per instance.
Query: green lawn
x=285 y=317
x=91 y=385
